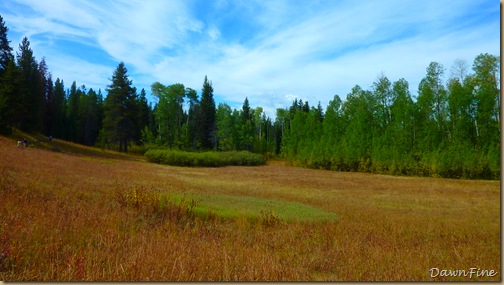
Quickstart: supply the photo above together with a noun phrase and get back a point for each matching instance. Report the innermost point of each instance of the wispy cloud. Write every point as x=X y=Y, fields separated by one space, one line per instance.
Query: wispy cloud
x=269 y=51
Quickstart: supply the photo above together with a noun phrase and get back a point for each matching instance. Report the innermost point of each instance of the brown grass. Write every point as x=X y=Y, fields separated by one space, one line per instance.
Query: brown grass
x=62 y=218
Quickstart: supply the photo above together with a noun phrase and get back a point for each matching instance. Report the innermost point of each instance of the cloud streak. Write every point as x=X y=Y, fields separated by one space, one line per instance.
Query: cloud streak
x=269 y=51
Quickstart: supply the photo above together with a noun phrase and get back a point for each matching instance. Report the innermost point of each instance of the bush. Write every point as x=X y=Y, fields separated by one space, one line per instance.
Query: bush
x=204 y=159
x=138 y=149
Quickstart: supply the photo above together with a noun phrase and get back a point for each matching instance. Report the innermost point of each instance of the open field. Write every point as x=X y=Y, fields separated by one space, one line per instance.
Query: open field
x=90 y=217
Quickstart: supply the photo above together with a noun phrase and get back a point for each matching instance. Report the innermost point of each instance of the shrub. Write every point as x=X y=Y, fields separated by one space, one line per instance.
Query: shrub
x=204 y=159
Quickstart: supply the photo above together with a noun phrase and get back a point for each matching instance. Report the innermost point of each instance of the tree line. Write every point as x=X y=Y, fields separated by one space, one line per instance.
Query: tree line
x=451 y=129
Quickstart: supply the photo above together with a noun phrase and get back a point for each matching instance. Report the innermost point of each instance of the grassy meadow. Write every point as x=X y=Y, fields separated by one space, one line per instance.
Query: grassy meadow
x=69 y=213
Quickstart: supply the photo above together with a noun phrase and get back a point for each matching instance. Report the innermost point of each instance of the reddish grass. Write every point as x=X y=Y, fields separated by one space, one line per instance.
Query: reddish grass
x=61 y=220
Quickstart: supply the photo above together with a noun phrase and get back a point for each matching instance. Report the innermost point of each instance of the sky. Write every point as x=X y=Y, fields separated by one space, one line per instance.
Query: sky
x=269 y=51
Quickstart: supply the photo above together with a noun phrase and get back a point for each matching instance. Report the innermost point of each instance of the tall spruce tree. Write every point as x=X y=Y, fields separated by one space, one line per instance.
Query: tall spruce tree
x=247 y=127
x=45 y=90
x=9 y=101
x=6 y=54
x=71 y=112
x=120 y=110
x=29 y=115
x=208 y=131
x=58 y=107
x=7 y=85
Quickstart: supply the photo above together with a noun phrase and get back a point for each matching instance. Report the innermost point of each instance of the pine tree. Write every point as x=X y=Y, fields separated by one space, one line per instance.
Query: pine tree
x=246 y=115
x=9 y=100
x=208 y=130
x=120 y=110
x=30 y=100
x=45 y=95
x=144 y=109
x=247 y=127
x=6 y=55
x=72 y=113
x=89 y=117
x=49 y=107
x=58 y=107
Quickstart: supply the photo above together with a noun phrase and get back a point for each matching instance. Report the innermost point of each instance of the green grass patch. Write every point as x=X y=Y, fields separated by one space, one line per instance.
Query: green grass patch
x=253 y=208
x=204 y=159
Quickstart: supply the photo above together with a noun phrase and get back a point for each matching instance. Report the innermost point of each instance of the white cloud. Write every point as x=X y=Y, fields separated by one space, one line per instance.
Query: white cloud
x=214 y=33
x=311 y=50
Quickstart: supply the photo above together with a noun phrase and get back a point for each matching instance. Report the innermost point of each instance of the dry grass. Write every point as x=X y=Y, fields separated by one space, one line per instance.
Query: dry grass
x=62 y=218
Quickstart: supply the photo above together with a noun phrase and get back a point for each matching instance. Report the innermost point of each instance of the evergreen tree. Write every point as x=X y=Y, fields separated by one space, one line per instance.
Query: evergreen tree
x=82 y=106
x=247 y=127
x=120 y=110
x=144 y=110
x=10 y=105
x=49 y=107
x=320 y=112
x=246 y=114
x=208 y=130
x=30 y=100
x=92 y=121
x=72 y=111
x=58 y=108
x=6 y=55
x=8 y=82
x=45 y=94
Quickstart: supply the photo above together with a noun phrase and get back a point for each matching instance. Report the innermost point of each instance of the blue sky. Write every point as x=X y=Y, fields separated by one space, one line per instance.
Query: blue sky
x=269 y=51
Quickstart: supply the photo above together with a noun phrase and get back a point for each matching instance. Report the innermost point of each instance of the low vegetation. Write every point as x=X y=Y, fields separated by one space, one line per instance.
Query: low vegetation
x=92 y=218
x=204 y=159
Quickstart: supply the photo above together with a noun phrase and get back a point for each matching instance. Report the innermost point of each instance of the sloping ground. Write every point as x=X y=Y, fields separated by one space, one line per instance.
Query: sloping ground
x=42 y=142
x=64 y=217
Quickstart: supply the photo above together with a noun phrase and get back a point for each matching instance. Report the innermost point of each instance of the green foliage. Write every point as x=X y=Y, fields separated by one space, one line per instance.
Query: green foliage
x=204 y=159
x=9 y=106
x=207 y=131
x=120 y=110
x=450 y=131
x=30 y=97
x=169 y=112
